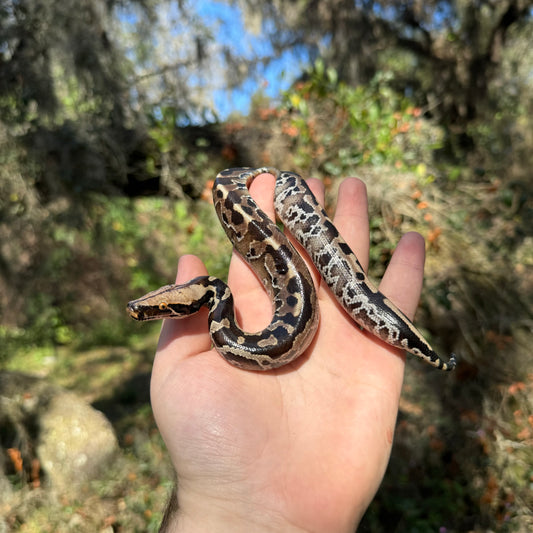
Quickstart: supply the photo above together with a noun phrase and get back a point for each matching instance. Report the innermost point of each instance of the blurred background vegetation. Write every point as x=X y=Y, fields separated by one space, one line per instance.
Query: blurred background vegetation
x=114 y=117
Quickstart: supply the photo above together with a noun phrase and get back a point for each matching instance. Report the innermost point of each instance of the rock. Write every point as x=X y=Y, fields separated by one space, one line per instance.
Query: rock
x=75 y=441
x=42 y=425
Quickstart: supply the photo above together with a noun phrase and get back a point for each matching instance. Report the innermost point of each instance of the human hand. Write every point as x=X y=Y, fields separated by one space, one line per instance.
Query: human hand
x=300 y=448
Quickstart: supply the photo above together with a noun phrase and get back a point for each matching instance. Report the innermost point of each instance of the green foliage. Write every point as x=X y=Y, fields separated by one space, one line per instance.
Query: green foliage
x=337 y=128
x=84 y=269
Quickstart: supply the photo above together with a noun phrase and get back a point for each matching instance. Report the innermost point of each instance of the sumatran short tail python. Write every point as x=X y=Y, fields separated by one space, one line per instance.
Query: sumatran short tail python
x=286 y=278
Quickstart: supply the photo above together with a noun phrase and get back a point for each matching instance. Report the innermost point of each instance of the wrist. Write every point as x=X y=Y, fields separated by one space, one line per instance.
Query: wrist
x=197 y=514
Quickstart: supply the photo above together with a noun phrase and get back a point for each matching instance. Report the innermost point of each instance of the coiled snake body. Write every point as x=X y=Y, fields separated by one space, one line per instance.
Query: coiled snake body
x=286 y=278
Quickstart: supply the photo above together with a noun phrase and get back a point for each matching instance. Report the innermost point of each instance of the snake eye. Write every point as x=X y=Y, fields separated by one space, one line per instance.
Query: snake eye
x=163 y=306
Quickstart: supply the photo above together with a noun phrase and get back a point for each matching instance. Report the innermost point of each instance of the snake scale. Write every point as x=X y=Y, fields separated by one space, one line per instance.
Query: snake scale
x=286 y=278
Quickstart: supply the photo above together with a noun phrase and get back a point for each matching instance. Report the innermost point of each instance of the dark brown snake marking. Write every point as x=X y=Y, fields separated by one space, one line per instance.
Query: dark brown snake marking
x=286 y=278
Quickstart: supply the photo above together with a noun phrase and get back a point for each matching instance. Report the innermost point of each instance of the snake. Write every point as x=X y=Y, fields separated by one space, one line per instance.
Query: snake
x=286 y=279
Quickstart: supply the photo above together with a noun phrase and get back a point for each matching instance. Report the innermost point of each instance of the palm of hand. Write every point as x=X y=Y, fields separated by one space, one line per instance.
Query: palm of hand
x=306 y=445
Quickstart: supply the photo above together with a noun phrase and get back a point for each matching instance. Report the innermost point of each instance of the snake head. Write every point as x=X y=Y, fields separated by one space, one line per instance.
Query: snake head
x=173 y=301
x=156 y=305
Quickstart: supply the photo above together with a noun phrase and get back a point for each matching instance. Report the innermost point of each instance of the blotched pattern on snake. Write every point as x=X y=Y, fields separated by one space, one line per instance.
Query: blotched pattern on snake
x=286 y=278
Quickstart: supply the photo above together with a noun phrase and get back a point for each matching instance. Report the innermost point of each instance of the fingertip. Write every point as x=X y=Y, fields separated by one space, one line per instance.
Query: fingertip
x=352 y=199
x=413 y=249
x=189 y=267
x=354 y=184
x=262 y=191
x=403 y=279
x=317 y=188
x=351 y=217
